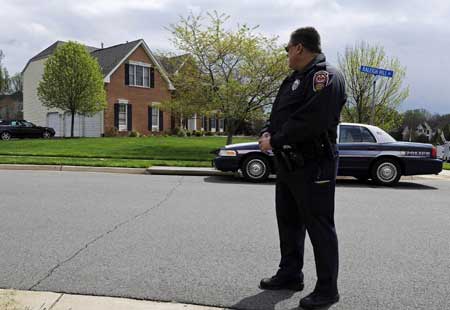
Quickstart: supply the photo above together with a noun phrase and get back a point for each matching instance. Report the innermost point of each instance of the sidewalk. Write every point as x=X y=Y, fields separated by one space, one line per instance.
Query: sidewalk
x=32 y=300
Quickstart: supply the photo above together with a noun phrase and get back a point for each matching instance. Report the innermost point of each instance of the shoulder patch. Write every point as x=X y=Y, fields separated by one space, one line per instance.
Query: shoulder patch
x=320 y=80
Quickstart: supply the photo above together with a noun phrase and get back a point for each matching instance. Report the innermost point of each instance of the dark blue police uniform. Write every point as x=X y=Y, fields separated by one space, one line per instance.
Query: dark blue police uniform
x=303 y=127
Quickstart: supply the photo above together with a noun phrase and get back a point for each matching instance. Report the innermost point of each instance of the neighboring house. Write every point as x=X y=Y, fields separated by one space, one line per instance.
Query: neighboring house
x=422 y=129
x=196 y=122
x=135 y=84
x=11 y=106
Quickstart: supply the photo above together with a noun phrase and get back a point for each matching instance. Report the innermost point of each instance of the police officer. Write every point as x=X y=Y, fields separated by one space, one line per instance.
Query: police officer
x=302 y=132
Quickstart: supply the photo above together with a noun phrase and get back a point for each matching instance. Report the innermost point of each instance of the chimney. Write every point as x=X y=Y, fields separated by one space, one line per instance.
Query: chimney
x=102 y=44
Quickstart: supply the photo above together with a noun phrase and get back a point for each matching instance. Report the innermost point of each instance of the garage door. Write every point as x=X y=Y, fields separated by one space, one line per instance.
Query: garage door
x=68 y=125
x=93 y=125
x=54 y=121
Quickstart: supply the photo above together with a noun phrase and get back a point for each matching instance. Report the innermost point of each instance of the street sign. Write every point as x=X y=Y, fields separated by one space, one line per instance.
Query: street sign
x=377 y=71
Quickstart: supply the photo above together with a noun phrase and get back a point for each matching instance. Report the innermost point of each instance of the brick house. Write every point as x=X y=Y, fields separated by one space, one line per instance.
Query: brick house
x=135 y=83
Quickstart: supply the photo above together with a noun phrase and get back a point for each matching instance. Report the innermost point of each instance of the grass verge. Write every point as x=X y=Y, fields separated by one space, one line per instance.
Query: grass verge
x=99 y=162
x=148 y=148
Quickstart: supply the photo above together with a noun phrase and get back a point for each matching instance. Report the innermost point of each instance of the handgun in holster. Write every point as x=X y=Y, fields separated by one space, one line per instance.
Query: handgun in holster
x=292 y=160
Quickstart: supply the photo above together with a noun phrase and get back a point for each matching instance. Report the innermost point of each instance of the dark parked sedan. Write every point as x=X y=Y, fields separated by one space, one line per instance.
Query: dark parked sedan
x=23 y=129
x=365 y=152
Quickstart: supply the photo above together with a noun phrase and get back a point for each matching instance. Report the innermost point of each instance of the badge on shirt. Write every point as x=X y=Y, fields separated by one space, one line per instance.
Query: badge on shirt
x=320 y=80
x=295 y=84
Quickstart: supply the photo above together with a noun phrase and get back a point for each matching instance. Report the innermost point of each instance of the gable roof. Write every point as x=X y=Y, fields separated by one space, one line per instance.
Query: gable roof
x=109 y=58
x=152 y=57
x=50 y=50
x=173 y=64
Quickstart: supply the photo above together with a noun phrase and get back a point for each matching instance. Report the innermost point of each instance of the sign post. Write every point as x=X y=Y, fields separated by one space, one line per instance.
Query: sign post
x=377 y=72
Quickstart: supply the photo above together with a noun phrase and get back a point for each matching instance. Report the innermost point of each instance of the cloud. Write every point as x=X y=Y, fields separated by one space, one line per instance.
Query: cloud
x=106 y=7
x=415 y=31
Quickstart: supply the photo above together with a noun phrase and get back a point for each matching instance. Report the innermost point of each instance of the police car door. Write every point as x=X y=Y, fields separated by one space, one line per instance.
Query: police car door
x=357 y=148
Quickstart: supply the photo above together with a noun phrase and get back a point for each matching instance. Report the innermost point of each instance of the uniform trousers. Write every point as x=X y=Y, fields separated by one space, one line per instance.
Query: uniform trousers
x=305 y=203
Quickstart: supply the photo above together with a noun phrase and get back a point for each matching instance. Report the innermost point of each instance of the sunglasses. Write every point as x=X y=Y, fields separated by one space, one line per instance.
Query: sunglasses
x=287 y=47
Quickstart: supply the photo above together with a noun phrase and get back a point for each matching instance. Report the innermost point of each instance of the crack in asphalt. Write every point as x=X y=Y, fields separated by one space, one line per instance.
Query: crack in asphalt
x=117 y=226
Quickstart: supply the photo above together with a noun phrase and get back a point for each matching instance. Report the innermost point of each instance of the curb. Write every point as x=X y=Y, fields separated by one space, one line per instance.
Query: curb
x=195 y=171
x=21 y=300
x=73 y=168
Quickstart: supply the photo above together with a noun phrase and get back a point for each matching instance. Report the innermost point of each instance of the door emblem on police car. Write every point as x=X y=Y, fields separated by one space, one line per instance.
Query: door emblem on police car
x=295 y=84
x=320 y=80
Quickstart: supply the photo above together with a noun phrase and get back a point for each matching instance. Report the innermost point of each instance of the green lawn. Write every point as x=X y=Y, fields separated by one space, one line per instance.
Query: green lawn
x=114 y=152
x=447 y=166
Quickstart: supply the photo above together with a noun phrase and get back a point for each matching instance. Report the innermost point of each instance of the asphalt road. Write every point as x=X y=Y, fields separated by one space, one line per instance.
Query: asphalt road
x=209 y=240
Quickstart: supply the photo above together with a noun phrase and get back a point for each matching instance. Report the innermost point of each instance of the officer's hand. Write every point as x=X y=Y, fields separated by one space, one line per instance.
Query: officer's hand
x=264 y=142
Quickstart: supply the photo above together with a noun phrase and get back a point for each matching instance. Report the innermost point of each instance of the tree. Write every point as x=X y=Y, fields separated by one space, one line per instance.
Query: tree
x=72 y=82
x=234 y=73
x=16 y=83
x=422 y=139
x=389 y=93
x=4 y=76
x=412 y=119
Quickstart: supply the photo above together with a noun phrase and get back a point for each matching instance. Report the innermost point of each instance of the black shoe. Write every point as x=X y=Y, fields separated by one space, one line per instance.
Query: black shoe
x=317 y=301
x=281 y=283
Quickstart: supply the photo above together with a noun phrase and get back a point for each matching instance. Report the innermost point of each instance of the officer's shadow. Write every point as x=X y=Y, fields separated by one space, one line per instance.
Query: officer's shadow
x=266 y=300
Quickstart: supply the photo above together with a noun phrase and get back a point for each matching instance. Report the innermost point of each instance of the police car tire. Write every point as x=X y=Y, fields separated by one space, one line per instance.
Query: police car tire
x=252 y=164
x=389 y=164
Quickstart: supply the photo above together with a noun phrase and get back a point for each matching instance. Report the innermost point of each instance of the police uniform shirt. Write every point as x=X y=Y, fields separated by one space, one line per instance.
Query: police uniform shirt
x=308 y=104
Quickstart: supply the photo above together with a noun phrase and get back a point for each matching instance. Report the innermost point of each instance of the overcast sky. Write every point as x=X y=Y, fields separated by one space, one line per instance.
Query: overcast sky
x=415 y=31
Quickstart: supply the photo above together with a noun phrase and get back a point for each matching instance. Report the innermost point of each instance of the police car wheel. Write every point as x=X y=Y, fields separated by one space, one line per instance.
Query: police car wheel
x=386 y=172
x=6 y=136
x=255 y=168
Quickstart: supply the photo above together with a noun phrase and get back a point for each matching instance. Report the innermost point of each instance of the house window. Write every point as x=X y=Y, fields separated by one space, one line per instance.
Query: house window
x=147 y=76
x=131 y=74
x=123 y=126
x=192 y=122
x=204 y=123
x=139 y=75
x=221 y=125
x=155 y=119
x=213 y=124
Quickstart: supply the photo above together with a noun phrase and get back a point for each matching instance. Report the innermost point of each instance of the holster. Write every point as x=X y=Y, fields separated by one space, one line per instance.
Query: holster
x=291 y=159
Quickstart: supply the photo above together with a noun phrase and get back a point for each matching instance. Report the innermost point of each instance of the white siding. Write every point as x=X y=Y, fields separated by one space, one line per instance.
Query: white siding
x=35 y=112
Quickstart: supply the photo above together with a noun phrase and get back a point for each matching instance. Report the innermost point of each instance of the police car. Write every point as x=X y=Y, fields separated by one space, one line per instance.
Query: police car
x=365 y=152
